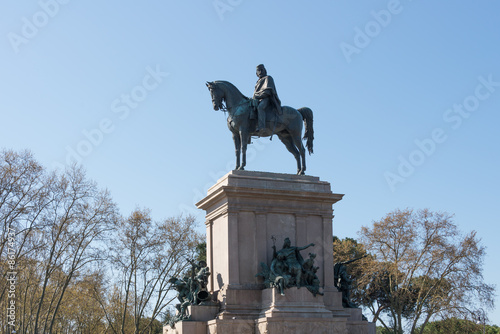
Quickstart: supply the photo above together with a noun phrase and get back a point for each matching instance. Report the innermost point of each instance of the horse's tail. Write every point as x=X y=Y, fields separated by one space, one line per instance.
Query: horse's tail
x=307 y=116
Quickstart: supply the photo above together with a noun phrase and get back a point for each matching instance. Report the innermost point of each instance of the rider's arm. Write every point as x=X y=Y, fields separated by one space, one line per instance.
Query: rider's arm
x=260 y=95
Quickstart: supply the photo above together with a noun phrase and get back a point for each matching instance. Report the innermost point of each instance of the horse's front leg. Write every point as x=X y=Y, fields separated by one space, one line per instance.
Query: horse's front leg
x=237 y=146
x=244 y=137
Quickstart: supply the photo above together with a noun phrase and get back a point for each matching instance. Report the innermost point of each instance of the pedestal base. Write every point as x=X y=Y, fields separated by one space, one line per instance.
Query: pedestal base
x=187 y=327
x=296 y=303
x=229 y=326
x=300 y=325
x=356 y=325
x=247 y=213
x=197 y=324
x=203 y=312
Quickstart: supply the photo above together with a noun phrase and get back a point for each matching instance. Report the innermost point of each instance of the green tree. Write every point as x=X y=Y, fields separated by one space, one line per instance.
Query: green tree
x=383 y=330
x=201 y=251
x=349 y=249
x=457 y=326
x=370 y=280
x=425 y=268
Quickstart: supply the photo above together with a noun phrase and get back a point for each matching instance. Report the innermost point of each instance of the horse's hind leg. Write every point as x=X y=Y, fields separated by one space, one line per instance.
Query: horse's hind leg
x=237 y=146
x=287 y=140
x=298 y=144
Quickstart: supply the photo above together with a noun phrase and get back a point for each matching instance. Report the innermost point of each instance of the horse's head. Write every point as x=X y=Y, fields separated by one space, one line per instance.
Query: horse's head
x=217 y=95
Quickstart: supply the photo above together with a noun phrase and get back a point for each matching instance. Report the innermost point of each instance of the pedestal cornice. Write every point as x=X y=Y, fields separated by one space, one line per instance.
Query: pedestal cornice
x=271 y=189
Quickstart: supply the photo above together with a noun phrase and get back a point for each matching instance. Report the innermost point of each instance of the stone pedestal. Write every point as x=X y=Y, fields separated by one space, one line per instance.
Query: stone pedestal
x=356 y=325
x=246 y=213
x=244 y=210
x=197 y=324
x=187 y=327
x=296 y=303
x=202 y=312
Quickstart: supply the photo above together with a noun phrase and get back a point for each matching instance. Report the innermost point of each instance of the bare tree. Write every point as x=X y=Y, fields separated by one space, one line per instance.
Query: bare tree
x=81 y=268
x=23 y=189
x=146 y=254
x=426 y=268
x=58 y=220
x=77 y=217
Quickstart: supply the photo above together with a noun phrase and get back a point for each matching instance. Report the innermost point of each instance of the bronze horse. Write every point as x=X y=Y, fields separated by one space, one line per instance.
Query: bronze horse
x=287 y=126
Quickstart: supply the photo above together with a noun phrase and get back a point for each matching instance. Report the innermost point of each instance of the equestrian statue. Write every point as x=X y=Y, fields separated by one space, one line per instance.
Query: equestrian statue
x=263 y=116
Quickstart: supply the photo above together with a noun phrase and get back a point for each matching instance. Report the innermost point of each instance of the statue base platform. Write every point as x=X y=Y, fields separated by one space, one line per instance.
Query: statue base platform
x=298 y=311
x=246 y=214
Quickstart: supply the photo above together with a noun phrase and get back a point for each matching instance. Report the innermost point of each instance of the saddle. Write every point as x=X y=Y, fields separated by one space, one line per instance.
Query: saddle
x=271 y=112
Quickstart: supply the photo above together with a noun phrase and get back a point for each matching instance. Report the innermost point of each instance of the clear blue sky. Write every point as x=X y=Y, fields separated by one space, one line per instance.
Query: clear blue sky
x=405 y=95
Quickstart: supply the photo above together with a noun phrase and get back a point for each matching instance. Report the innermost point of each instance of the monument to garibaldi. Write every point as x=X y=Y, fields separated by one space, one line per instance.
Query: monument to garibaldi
x=247 y=284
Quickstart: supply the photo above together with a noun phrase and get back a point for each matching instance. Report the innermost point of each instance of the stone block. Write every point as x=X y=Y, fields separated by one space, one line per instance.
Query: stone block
x=187 y=327
x=240 y=302
x=360 y=327
x=355 y=323
x=230 y=326
x=203 y=312
x=356 y=314
x=296 y=303
x=300 y=326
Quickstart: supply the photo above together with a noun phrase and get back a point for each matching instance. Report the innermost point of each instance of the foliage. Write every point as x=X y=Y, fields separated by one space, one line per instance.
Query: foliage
x=368 y=276
x=424 y=268
x=201 y=252
x=383 y=330
x=349 y=249
x=80 y=268
x=457 y=326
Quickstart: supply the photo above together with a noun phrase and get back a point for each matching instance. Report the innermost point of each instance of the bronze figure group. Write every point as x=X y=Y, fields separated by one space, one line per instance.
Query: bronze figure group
x=289 y=269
